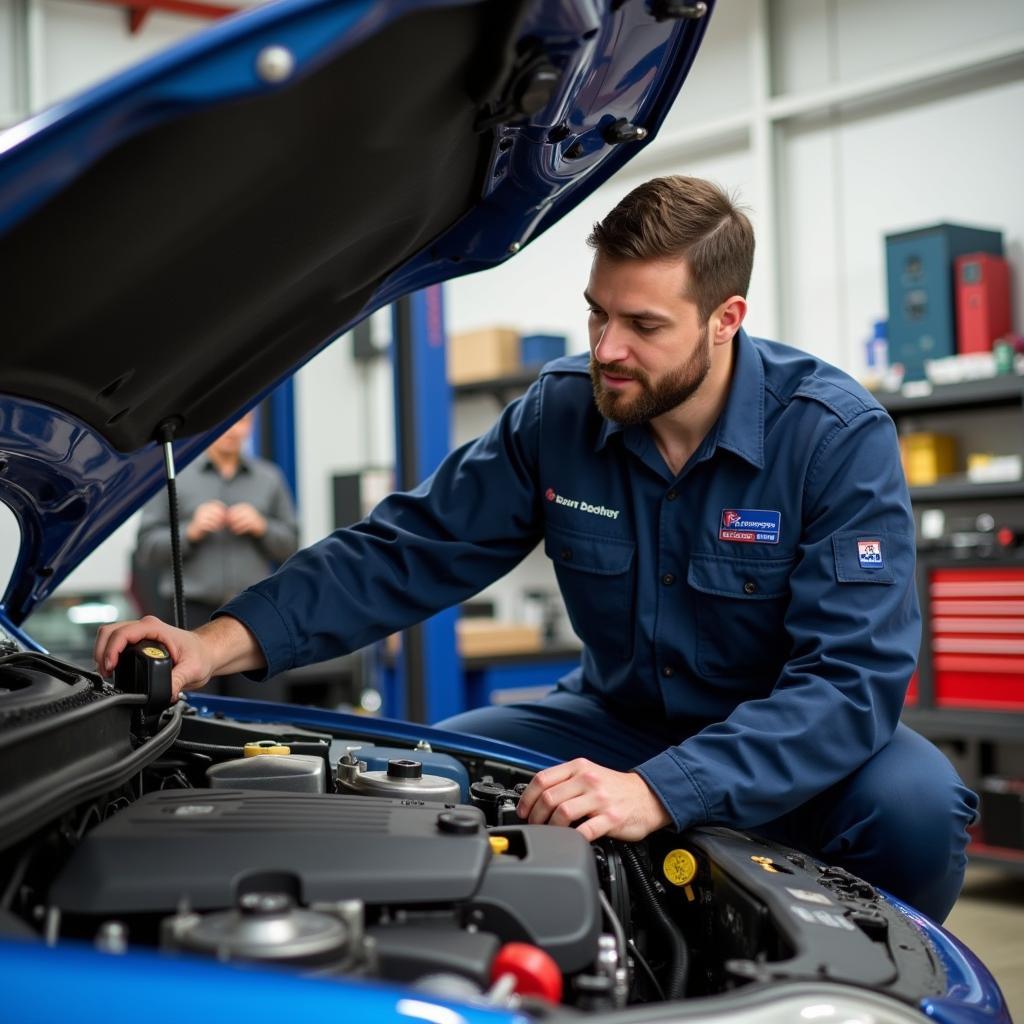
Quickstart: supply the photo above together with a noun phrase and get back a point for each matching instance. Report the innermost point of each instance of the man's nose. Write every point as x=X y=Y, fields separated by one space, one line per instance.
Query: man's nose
x=611 y=346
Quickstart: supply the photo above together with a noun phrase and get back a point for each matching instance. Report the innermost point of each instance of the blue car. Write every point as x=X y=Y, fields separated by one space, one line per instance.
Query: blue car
x=176 y=242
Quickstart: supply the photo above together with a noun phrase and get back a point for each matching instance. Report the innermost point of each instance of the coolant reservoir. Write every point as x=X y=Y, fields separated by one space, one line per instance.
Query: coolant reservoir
x=297 y=773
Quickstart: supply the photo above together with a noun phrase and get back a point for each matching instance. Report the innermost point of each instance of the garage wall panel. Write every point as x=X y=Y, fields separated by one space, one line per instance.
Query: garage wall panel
x=950 y=158
x=12 y=57
x=720 y=83
x=343 y=423
x=86 y=43
x=813 y=299
x=819 y=42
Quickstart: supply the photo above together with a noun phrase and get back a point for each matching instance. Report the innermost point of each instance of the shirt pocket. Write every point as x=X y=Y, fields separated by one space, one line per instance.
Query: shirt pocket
x=595 y=575
x=741 y=609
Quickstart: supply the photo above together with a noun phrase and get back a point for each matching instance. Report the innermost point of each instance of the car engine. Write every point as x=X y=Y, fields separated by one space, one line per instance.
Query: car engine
x=131 y=827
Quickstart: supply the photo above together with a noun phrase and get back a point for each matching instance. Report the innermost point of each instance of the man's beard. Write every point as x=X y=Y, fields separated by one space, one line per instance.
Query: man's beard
x=654 y=399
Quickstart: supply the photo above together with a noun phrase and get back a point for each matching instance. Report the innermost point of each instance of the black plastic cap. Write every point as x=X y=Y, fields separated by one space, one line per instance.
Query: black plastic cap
x=458 y=823
x=403 y=768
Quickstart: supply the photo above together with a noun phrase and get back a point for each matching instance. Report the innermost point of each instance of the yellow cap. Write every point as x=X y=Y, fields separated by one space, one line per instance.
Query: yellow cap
x=265 y=747
x=154 y=652
x=499 y=844
x=679 y=867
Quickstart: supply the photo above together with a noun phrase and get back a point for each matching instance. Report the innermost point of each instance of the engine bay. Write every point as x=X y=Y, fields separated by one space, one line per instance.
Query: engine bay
x=336 y=854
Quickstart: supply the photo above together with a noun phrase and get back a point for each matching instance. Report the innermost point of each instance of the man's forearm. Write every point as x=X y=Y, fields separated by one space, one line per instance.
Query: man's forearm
x=231 y=646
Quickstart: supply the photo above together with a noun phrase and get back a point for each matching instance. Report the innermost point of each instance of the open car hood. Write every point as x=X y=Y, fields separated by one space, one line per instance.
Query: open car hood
x=181 y=238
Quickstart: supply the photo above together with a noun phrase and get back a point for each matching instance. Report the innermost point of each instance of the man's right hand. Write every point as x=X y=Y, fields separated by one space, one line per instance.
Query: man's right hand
x=193 y=662
x=210 y=517
x=217 y=648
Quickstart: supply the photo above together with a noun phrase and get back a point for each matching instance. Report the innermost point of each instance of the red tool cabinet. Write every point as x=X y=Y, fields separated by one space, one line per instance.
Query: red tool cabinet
x=976 y=630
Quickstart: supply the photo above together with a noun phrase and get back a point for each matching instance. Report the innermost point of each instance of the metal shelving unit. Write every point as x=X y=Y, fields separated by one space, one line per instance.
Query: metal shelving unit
x=1007 y=390
x=501 y=389
x=978 y=732
x=967 y=490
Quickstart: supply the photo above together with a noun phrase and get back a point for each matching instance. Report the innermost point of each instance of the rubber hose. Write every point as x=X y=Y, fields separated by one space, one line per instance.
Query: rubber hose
x=679 y=954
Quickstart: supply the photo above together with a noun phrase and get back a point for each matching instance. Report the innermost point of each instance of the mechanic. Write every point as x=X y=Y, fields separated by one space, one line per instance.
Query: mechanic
x=732 y=535
x=241 y=525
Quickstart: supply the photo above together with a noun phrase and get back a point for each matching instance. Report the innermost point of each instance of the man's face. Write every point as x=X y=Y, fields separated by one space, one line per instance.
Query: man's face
x=649 y=348
x=230 y=443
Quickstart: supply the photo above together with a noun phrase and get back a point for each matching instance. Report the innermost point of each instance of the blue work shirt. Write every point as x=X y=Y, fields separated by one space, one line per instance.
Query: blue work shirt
x=758 y=609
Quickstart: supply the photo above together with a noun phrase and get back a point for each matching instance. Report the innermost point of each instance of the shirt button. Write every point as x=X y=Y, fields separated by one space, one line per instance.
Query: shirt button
x=668 y=579
x=749 y=587
x=672 y=495
x=667 y=671
x=566 y=554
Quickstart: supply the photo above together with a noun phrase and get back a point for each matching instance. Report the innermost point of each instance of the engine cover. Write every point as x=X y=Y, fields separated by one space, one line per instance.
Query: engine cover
x=206 y=848
x=209 y=847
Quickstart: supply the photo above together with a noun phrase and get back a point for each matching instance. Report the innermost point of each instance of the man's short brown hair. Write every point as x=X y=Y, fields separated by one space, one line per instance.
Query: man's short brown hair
x=680 y=217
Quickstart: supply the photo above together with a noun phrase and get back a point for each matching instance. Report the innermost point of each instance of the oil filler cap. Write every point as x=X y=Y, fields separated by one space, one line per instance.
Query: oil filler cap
x=403 y=768
x=458 y=823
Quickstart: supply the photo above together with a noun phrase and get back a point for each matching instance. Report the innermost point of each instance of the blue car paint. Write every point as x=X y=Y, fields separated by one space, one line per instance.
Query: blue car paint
x=145 y=986
x=972 y=994
x=67 y=487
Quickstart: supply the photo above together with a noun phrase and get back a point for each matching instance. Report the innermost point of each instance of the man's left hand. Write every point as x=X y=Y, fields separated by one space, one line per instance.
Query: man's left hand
x=605 y=802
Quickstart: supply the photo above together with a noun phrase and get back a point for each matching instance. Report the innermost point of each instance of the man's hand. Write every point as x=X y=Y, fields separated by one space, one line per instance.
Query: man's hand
x=210 y=517
x=244 y=519
x=219 y=647
x=616 y=804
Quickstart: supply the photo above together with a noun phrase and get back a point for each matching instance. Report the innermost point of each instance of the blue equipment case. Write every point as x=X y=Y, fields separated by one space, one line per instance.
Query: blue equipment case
x=919 y=268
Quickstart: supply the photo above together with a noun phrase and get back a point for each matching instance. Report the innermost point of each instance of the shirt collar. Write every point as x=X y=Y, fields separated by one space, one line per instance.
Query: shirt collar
x=740 y=429
x=244 y=464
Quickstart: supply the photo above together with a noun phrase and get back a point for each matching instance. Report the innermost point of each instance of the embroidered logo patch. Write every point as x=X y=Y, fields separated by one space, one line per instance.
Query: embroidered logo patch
x=580 y=505
x=869 y=554
x=750 y=526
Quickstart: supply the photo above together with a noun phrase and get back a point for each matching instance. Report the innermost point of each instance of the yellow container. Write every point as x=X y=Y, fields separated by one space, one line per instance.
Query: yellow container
x=927 y=457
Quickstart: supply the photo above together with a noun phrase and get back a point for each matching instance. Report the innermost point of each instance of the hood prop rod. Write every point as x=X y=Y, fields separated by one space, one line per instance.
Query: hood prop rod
x=166 y=435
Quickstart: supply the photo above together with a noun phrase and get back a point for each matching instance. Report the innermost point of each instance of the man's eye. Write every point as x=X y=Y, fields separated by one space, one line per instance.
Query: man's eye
x=595 y=312
x=646 y=328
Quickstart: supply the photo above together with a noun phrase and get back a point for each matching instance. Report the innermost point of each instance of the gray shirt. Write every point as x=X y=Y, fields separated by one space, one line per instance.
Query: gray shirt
x=222 y=563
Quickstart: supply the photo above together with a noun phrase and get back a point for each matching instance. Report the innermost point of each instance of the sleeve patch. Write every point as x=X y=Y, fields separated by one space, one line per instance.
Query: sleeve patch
x=865 y=557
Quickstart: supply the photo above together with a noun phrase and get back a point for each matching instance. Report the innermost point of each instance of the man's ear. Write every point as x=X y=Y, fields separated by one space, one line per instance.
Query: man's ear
x=727 y=319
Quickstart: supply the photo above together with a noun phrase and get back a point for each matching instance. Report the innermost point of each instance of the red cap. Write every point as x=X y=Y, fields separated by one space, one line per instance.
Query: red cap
x=535 y=972
x=1006 y=536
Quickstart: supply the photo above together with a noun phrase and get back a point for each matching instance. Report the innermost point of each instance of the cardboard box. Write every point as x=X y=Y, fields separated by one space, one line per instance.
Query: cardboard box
x=482 y=355
x=927 y=457
x=482 y=638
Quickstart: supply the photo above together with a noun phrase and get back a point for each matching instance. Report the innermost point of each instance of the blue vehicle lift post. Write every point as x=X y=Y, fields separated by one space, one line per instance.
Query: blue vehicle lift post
x=429 y=671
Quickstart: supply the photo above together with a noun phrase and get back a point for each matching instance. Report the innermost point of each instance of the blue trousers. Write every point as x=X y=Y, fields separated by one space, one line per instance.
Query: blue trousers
x=913 y=849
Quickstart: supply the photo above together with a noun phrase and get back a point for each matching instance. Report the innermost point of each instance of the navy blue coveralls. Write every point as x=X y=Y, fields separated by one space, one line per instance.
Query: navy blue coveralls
x=750 y=624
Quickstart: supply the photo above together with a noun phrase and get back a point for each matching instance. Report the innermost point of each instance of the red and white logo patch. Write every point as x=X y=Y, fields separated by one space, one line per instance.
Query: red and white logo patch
x=869 y=554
